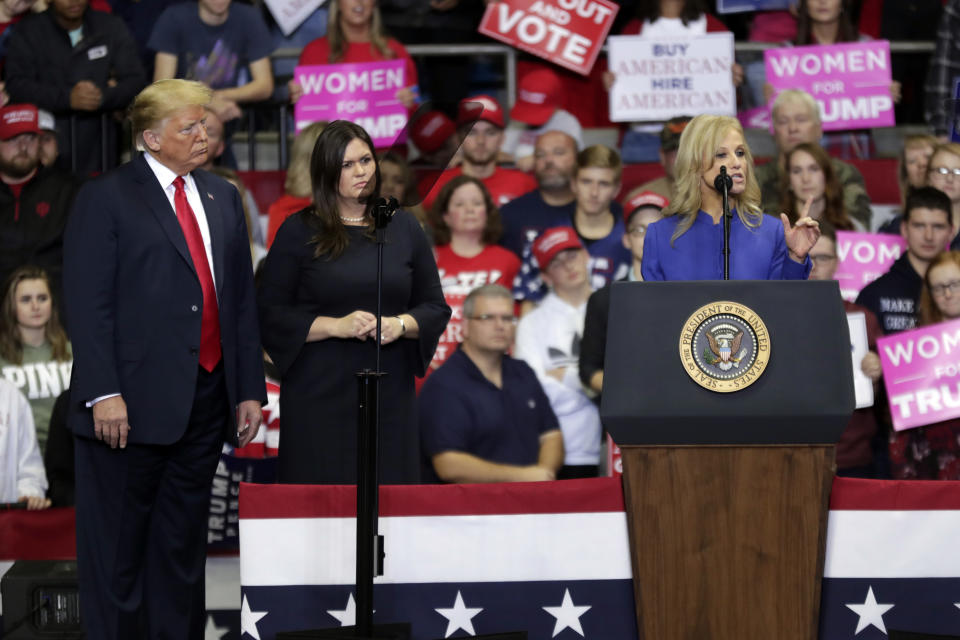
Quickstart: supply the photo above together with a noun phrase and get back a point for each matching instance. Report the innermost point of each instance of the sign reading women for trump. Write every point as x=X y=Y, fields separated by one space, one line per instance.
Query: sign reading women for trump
x=850 y=81
x=364 y=93
x=864 y=257
x=658 y=79
x=921 y=370
x=569 y=33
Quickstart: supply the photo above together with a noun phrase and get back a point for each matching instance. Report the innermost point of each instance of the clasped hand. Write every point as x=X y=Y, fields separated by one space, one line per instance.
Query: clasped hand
x=363 y=325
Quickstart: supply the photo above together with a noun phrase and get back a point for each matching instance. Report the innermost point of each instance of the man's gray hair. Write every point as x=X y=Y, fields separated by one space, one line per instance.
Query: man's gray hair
x=486 y=291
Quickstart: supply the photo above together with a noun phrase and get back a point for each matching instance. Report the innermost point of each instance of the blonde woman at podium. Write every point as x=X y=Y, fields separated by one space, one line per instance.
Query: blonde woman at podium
x=687 y=244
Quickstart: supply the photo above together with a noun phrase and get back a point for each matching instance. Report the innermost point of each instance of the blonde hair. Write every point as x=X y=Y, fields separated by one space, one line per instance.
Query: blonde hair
x=912 y=141
x=338 y=41
x=797 y=96
x=698 y=146
x=161 y=100
x=600 y=156
x=298 y=182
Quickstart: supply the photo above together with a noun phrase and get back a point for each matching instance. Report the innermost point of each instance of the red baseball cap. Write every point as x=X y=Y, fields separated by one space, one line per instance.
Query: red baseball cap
x=553 y=241
x=16 y=119
x=537 y=97
x=481 y=107
x=643 y=199
x=431 y=131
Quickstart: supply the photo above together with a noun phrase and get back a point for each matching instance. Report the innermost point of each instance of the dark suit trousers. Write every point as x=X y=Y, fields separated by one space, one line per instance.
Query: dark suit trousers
x=142 y=526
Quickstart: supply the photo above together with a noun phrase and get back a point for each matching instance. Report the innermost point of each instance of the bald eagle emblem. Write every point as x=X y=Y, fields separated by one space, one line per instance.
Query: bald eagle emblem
x=724 y=341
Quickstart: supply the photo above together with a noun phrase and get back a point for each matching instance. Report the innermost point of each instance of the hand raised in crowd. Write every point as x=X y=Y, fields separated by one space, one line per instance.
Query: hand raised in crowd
x=802 y=236
x=295 y=89
x=35 y=503
x=110 y=422
x=249 y=417
x=870 y=365
x=85 y=96
x=407 y=97
x=225 y=109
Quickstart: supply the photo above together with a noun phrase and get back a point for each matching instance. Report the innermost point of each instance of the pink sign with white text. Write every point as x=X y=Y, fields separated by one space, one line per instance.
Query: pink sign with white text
x=851 y=81
x=921 y=370
x=364 y=93
x=864 y=257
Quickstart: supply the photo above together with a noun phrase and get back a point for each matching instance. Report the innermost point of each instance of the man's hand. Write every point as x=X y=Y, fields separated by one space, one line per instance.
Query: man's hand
x=85 y=96
x=35 y=503
x=249 y=417
x=110 y=422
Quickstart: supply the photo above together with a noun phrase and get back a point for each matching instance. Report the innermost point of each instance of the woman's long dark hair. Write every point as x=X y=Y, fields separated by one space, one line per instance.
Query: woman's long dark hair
x=326 y=163
x=834 y=211
x=11 y=348
x=650 y=10
x=441 y=232
x=846 y=30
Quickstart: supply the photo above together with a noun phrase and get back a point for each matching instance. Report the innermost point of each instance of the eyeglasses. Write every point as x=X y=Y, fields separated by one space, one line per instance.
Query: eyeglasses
x=637 y=231
x=492 y=317
x=822 y=258
x=940 y=289
x=946 y=171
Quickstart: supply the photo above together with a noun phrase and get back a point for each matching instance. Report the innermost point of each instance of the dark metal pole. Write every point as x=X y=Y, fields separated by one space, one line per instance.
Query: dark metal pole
x=722 y=183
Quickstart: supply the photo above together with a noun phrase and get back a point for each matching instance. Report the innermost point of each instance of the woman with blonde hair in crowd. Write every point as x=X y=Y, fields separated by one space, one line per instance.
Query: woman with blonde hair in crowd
x=355 y=33
x=911 y=172
x=35 y=354
x=297 y=190
x=932 y=452
x=687 y=244
x=809 y=177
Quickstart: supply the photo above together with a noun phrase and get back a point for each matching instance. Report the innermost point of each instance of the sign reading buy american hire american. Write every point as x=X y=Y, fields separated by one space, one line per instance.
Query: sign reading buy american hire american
x=921 y=370
x=569 y=33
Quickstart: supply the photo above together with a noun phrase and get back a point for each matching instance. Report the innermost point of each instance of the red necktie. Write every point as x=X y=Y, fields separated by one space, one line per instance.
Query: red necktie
x=210 y=321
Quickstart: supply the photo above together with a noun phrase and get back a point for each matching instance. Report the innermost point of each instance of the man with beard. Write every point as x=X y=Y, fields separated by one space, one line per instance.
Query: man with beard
x=481 y=122
x=551 y=204
x=34 y=200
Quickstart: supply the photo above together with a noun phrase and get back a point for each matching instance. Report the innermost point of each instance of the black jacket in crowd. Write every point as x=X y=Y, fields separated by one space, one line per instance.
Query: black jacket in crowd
x=894 y=297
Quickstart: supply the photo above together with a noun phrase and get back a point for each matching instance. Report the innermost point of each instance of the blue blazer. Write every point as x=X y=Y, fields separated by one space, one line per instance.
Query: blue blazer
x=134 y=302
x=756 y=253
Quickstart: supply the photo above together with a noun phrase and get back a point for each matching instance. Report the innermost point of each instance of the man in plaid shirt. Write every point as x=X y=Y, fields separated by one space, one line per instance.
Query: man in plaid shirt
x=944 y=72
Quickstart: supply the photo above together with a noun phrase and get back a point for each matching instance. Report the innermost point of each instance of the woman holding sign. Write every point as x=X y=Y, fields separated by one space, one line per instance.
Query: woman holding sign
x=317 y=298
x=355 y=34
x=687 y=243
x=932 y=452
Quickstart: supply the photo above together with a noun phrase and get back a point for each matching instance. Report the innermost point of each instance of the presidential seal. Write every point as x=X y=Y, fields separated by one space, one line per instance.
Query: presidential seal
x=724 y=346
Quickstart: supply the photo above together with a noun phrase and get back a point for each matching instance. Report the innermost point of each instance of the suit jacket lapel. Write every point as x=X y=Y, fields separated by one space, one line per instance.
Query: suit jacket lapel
x=154 y=196
x=215 y=221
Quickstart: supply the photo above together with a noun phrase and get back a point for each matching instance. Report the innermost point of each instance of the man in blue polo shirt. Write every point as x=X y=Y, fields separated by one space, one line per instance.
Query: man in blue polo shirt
x=483 y=415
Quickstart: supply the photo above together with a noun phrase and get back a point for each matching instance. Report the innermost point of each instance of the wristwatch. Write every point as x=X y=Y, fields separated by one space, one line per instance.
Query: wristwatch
x=403 y=327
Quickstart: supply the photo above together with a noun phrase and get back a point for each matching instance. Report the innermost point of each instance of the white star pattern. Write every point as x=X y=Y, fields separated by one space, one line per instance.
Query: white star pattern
x=213 y=632
x=459 y=617
x=249 y=620
x=870 y=613
x=567 y=615
x=348 y=615
x=957 y=605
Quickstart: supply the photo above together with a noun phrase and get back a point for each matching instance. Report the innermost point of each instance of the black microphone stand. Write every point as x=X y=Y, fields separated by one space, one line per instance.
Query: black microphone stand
x=722 y=183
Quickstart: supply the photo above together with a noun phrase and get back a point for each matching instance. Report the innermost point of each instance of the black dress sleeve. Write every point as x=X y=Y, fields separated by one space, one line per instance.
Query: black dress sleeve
x=58 y=458
x=283 y=324
x=594 y=341
x=427 y=304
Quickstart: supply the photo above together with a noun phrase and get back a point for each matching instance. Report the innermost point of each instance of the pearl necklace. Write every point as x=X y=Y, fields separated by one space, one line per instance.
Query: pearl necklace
x=353 y=220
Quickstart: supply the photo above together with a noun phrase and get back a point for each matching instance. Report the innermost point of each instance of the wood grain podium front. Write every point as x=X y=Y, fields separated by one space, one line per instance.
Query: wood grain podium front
x=727 y=493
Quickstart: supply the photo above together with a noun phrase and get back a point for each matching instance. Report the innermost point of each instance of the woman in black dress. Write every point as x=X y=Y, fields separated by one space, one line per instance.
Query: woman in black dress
x=317 y=301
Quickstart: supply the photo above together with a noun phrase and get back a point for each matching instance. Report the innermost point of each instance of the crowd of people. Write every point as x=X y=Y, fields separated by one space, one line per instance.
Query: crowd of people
x=517 y=237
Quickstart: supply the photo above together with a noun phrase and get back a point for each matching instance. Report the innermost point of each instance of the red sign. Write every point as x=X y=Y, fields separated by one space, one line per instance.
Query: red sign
x=569 y=33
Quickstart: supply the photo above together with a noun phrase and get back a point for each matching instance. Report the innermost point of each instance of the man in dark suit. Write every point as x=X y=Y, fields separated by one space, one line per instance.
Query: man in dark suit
x=167 y=364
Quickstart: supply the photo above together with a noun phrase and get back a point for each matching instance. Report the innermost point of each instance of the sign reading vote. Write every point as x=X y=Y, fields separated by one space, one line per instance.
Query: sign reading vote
x=851 y=81
x=864 y=257
x=921 y=370
x=364 y=93
x=569 y=33
x=657 y=79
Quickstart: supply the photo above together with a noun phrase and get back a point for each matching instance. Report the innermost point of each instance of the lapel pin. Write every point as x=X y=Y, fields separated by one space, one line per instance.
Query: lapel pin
x=209 y=195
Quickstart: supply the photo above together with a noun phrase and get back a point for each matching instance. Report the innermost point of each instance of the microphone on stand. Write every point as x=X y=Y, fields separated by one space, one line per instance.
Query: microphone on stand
x=722 y=183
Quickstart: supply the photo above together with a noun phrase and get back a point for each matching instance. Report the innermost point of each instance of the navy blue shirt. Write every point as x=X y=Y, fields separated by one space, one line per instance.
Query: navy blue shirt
x=460 y=410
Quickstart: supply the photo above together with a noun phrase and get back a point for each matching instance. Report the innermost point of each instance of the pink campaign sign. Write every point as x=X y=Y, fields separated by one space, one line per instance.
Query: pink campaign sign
x=851 y=81
x=364 y=93
x=864 y=257
x=921 y=370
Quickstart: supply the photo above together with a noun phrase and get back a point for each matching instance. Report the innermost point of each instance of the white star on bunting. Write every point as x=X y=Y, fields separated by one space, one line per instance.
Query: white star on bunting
x=212 y=631
x=348 y=615
x=567 y=614
x=870 y=613
x=249 y=620
x=459 y=617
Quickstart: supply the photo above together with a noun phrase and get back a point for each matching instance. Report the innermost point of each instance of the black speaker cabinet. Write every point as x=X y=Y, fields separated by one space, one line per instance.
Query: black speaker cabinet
x=41 y=601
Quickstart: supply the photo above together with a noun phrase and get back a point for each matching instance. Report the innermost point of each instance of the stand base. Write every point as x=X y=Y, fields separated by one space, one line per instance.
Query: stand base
x=391 y=631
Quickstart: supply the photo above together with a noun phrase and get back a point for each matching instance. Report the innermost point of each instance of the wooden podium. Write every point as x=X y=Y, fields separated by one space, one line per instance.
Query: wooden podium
x=727 y=493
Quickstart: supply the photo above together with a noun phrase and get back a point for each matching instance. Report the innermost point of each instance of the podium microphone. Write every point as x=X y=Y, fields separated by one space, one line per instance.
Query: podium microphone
x=722 y=183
